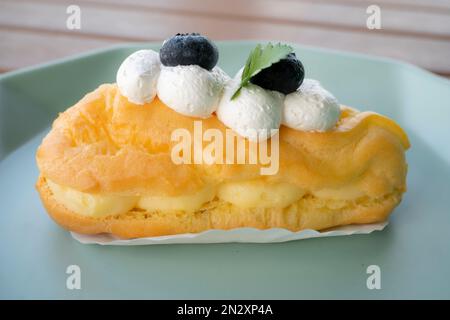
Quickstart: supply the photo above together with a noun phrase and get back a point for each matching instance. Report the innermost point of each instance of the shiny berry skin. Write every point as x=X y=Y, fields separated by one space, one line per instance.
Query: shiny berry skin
x=285 y=76
x=188 y=49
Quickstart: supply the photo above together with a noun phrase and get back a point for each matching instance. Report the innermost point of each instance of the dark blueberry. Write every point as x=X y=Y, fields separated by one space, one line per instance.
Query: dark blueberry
x=285 y=76
x=187 y=49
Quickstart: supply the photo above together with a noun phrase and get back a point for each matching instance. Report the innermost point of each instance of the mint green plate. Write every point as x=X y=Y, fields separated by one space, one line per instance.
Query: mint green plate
x=413 y=252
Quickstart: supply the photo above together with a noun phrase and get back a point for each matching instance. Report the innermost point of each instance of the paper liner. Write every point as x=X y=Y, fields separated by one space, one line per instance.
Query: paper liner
x=249 y=235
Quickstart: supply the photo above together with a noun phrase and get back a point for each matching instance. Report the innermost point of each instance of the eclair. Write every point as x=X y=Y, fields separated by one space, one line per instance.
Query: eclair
x=178 y=146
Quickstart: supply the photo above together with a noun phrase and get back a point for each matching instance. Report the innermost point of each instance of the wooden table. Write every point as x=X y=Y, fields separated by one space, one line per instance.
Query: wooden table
x=416 y=31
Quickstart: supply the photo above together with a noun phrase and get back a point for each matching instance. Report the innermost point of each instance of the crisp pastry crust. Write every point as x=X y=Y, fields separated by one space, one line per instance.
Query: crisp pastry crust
x=106 y=145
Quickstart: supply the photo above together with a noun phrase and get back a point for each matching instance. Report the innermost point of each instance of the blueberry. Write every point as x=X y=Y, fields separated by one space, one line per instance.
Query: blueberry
x=187 y=49
x=285 y=76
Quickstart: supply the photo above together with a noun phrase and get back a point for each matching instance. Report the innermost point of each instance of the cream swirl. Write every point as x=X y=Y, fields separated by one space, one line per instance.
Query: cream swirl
x=254 y=114
x=310 y=108
x=191 y=90
x=137 y=76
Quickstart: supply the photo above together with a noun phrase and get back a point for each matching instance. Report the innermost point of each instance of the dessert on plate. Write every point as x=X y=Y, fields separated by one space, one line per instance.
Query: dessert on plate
x=111 y=163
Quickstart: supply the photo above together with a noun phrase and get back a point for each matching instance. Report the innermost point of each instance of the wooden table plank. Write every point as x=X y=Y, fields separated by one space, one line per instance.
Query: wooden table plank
x=20 y=48
x=134 y=25
x=104 y=23
x=429 y=5
x=333 y=15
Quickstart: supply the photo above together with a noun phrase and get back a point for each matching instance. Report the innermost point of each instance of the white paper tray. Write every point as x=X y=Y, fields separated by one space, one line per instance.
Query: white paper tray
x=250 y=235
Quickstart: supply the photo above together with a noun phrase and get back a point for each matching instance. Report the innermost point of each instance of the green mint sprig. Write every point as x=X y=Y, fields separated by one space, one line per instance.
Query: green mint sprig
x=261 y=58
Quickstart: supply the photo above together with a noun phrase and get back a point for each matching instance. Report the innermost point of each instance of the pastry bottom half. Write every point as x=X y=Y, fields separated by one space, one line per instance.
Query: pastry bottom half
x=309 y=212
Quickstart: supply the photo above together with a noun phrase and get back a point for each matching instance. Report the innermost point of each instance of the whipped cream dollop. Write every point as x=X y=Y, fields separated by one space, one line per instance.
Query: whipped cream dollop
x=254 y=114
x=191 y=90
x=137 y=76
x=310 y=108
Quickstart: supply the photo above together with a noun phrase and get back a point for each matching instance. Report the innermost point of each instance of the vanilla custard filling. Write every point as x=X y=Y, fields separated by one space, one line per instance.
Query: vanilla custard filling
x=90 y=204
x=243 y=194
x=258 y=194
x=190 y=202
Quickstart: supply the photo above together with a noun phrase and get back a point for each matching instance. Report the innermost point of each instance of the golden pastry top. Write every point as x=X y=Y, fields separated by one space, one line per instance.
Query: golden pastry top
x=105 y=144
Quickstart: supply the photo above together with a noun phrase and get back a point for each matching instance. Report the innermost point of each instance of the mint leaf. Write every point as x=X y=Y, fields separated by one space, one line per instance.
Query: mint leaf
x=261 y=58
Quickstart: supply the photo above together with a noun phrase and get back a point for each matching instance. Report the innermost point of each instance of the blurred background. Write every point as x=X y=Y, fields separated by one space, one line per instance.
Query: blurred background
x=416 y=31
